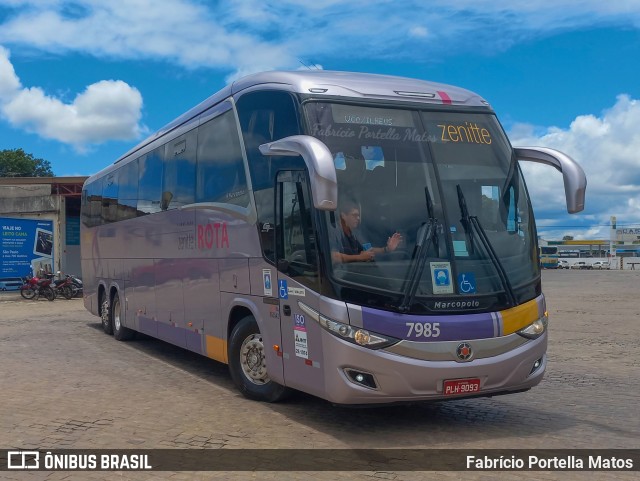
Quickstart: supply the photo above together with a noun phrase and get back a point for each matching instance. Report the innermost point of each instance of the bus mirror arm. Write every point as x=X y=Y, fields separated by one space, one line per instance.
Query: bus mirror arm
x=575 y=181
x=319 y=161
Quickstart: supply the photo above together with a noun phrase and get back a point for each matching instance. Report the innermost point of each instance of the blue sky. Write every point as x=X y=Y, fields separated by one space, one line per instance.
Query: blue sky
x=83 y=81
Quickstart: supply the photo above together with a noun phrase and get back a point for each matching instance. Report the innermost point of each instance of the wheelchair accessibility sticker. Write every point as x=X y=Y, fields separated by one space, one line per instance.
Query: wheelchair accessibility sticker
x=467 y=283
x=283 y=292
x=441 y=277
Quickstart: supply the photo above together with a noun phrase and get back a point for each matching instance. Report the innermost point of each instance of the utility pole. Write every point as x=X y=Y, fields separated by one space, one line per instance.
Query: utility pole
x=612 y=240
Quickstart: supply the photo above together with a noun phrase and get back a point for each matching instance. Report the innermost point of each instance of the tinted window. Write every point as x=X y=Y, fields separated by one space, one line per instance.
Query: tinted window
x=92 y=203
x=265 y=117
x=179 y=171
x=128 y=191
x=220 y=173
x=110 y=198
x=297 y=245
x=150 y=185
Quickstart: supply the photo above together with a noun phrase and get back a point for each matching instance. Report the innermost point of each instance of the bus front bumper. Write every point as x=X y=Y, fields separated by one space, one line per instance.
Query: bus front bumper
x=396 y=378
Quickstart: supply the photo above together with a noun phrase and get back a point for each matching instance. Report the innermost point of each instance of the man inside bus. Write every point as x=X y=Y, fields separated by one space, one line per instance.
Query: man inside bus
x=347 y=247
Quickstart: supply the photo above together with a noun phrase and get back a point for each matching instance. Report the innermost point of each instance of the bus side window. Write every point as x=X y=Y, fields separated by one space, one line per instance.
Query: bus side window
x=178 y=175
x=297 y=250
x=92 y=203
x=110 y=198
x=266 y=116
x=220 y=175
x=128 y=192
x=150 y=182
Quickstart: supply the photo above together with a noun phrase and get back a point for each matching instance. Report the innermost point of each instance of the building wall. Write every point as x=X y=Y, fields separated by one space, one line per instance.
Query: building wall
x=35 y=201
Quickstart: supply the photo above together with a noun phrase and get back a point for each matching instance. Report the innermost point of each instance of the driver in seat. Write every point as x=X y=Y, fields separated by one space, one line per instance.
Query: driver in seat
x=349 y=248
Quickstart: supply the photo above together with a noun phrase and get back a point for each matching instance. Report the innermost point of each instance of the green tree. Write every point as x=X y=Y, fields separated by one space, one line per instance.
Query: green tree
x=17 y=163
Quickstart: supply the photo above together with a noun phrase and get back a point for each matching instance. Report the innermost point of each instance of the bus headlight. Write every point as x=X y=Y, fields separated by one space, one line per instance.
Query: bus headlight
x=536 y=328
x=358 y=336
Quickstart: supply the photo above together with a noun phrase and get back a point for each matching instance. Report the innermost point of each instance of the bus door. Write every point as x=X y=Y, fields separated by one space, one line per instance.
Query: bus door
x=298 y=282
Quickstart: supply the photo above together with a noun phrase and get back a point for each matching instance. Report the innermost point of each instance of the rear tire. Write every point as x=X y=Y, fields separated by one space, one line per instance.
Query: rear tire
x=66 y=292
x=247 y=364
x=107 y=325
x=120 y=332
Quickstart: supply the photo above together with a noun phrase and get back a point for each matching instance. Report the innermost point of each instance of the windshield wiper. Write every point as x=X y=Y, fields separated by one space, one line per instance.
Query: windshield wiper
x=471 y=223
x=428 y=233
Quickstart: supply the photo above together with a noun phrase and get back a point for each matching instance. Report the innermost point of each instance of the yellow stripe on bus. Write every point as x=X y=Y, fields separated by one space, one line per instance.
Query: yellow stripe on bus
x=217 y=349
x=518 y=317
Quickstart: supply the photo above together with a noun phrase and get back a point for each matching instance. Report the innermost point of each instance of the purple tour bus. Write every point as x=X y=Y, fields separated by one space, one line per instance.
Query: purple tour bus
x=362 y=238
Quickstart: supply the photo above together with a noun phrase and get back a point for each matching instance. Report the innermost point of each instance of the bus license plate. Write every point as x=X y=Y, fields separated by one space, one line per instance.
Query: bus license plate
x=461 y=386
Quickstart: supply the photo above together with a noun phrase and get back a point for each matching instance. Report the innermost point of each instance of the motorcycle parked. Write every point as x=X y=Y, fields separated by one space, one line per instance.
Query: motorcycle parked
x=76 y=285
x=65 y=286
x=34 y=287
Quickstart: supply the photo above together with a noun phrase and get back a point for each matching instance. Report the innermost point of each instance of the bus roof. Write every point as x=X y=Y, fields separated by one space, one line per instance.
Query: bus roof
x=331 y=83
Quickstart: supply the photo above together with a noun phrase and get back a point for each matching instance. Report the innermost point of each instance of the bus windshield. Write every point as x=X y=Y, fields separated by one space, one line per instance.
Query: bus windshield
x=408 y=172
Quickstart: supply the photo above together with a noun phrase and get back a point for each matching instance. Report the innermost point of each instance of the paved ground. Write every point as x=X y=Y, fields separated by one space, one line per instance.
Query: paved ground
x=65 y=384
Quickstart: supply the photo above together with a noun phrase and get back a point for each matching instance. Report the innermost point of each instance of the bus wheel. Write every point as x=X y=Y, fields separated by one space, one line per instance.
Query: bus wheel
x=120 y=332
x=247 y=363
x=107 y=325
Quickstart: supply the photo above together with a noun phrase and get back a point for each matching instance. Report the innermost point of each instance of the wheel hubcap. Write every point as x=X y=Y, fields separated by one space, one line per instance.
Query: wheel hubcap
x=116 y=314
x=252 y=359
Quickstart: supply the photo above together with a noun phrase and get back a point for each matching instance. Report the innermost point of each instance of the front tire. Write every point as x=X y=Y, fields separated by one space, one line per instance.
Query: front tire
x=247 y=364
x=28 y=293
x=120 y=332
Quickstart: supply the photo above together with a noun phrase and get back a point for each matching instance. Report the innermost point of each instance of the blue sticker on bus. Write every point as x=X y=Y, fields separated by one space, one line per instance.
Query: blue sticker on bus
x=283 y=291
x=300 y=322
x=467 y=282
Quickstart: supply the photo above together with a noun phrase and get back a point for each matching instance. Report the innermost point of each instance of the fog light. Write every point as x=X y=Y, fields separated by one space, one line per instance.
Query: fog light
x=536 y=366
x=361 y=378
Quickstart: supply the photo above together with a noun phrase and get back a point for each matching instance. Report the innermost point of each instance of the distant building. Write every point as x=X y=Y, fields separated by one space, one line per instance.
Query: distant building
x=37 y=204
x=623 y=247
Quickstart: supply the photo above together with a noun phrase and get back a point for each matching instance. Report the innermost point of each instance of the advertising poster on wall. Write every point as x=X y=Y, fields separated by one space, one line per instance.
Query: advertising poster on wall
x=26 y=246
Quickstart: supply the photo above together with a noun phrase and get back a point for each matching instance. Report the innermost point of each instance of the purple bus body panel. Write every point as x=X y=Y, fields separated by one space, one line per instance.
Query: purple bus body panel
x=147 y=326
x=452 y=327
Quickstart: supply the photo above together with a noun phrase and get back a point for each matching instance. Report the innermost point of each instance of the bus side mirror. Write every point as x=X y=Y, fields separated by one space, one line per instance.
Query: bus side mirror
x=166 y=200
x=575 y=181
x=319 y=161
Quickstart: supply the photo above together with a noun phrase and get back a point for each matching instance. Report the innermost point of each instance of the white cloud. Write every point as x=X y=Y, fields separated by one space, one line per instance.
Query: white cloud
x=106 y=110
x=250 y=35
x=9 y=82
x=608 y=149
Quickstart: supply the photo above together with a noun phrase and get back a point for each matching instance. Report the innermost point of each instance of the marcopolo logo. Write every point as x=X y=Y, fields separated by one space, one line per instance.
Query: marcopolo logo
x=456 y=304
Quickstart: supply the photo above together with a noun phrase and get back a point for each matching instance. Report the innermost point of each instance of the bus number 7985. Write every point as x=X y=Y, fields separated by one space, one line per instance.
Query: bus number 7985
x=426 y=329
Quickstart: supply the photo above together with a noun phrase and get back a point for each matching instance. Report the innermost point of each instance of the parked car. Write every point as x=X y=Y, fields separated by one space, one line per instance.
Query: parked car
x=10 y=283
x=580 y=265
x=563 y=264
x=600 y=265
